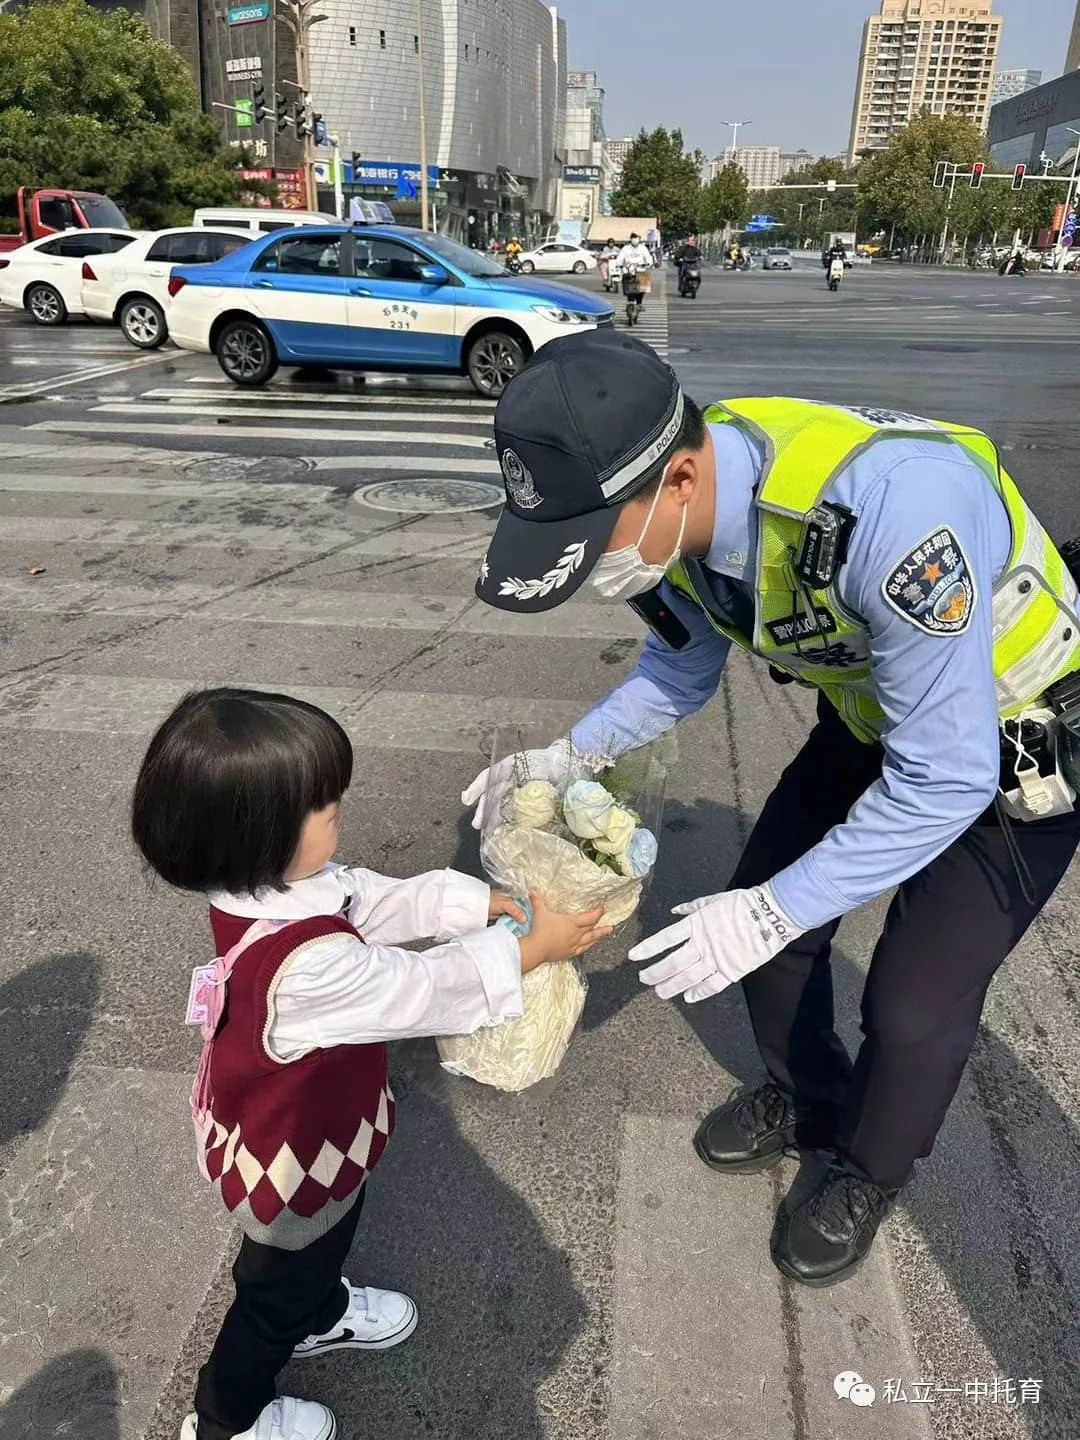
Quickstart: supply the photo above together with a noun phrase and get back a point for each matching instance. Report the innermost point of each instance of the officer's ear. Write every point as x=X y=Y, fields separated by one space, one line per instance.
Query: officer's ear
x=685 y=474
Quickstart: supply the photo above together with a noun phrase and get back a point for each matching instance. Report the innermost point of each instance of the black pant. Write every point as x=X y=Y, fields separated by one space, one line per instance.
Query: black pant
x=282 y=1296
x=947 y=931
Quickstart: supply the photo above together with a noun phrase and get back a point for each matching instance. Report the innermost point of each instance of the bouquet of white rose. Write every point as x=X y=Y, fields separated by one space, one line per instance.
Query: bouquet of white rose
x=580 y=834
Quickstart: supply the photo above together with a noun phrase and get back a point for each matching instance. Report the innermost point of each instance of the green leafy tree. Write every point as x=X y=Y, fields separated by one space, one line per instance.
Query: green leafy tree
x=90 y=100
x=725 y=200
x=660 y=178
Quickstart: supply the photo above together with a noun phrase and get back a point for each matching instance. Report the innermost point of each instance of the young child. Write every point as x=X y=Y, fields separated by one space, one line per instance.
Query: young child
x=239 y=798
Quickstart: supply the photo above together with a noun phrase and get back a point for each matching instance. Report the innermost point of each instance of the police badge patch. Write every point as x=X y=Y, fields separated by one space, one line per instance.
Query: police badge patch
x=932 y=586
x=519 y=483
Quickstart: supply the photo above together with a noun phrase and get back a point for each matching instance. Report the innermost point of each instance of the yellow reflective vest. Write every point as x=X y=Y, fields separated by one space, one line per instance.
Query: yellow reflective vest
x=797 y=628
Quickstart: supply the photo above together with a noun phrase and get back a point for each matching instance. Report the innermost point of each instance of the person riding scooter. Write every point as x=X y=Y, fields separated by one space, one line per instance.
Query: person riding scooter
x=835 y=251
x=688 y=259
x=1013 y=264
x=608 y=255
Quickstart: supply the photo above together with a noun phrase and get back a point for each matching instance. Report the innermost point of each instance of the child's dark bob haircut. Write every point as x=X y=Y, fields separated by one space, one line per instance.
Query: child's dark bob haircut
x=227 y=783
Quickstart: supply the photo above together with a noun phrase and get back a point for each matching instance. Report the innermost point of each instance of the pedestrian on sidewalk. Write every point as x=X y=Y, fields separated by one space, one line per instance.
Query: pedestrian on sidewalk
x=890 y=563
x=239 y=798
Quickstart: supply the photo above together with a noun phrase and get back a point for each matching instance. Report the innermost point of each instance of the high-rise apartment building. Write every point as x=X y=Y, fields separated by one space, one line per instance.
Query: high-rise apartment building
x=938 y=55
x=1010 y=83
x=759 y=163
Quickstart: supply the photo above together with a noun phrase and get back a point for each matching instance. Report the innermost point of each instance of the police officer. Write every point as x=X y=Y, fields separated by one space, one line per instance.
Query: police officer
x=889 y=562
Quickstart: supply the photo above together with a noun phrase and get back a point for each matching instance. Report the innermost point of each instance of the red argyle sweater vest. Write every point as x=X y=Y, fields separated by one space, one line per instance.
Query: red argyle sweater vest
x=287 y=1145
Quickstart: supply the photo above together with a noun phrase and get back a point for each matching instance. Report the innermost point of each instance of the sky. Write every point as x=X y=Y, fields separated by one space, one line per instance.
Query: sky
x=789 y=66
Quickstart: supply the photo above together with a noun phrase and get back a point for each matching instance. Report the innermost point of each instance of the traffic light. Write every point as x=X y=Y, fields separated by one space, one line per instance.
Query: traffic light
x=356 y=162
x=318 y=129
x=258 y=101
x=281 y=107
x=977 y=174
x=1018 y=177
x=300 y=119
x=941 y=170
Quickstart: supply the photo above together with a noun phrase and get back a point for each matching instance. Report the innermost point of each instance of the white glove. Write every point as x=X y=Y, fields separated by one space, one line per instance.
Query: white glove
x=725 y=937
x=558 y=762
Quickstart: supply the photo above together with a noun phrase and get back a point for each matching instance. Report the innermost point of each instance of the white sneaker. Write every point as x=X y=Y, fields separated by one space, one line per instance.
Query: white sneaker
x=283 y=1419
x=375 y=1320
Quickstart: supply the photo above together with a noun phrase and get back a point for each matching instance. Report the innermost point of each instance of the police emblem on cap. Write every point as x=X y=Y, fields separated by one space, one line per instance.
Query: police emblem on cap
x=519 y=483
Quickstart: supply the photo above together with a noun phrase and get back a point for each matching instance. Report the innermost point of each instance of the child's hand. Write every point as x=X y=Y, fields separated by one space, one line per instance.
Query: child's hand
x=505 y=905
x=558 y=937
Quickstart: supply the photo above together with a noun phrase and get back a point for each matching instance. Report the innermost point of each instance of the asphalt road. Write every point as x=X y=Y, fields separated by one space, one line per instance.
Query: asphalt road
x=579 y=1274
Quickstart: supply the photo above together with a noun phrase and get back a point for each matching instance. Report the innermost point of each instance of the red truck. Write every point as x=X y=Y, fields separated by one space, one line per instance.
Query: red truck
x=44 y=212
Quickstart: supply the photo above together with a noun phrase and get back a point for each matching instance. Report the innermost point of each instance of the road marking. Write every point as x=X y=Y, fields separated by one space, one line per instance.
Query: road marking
x=252 y=492
x=385 y=720
x=315 y=432
x=9 y=393
x=442 y=464
x=321 y=397
x=324 y=608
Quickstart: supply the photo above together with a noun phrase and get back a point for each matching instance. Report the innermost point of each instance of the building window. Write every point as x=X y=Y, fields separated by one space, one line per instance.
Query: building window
x=352 y=34
x=416 y=44
x=382 y=39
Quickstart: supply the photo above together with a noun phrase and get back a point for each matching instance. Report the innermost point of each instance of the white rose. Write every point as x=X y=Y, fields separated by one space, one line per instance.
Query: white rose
x=618 y=832
x=534 y=804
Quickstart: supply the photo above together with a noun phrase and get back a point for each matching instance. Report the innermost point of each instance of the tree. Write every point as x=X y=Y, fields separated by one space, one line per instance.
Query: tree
x=725 y=200
x=90 y=100
x=659 y=178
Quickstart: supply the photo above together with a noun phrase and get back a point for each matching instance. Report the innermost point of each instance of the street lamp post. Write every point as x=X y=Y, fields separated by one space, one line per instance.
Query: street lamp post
x=735 y=126
x=297 y=15
x=423 y=122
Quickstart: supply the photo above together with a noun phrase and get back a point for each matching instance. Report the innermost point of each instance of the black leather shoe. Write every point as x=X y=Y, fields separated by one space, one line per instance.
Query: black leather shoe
x=827 y=1236
x=750 y=1131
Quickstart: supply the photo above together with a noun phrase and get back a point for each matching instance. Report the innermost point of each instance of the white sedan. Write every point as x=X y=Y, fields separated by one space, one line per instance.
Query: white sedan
x=131 y=287
x=45 y=276
x=557 y=258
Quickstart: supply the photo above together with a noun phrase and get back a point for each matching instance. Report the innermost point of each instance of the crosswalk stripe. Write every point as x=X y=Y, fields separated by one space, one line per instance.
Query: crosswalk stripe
x=459 y=613
x=296 y=532
x=404 y=403
x=79 y=377
x=258 y=412
x=251 y=492
x=441 y=464
x=381 y=720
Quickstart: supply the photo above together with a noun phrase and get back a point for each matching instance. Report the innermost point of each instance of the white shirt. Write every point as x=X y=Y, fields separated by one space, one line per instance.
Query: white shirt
x=343 y=991
x=635 y=257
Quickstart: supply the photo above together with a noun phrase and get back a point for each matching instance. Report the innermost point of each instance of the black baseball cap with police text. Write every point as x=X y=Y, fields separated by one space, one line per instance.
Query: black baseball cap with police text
x=588 y=424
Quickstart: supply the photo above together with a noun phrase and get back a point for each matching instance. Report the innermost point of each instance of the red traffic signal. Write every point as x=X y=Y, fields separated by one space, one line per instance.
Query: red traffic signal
x=1018 y=177
x=977 y=174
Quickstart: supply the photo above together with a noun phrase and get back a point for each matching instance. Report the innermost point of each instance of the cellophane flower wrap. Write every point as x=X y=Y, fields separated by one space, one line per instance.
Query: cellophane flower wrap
x=584 y=833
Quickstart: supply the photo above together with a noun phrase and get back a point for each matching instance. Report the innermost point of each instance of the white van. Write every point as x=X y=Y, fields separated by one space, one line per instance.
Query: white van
x=259 y=222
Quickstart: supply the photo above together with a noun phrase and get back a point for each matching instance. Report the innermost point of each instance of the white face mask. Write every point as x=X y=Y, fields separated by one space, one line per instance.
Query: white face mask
x=622 y=574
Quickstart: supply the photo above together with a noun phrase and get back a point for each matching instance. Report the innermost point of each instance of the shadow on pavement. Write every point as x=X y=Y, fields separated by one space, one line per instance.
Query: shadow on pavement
x=498 y=1307
x=45 y=1012
x=1003 y=1236
x=76 y=1394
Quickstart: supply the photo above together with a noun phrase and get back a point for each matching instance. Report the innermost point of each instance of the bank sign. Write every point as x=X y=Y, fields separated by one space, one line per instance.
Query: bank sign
x=584 y=175
x=248 y=14
x=388 y=172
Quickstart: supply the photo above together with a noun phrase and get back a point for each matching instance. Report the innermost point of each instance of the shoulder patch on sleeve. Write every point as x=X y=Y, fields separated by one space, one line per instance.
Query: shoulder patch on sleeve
x=932 y=585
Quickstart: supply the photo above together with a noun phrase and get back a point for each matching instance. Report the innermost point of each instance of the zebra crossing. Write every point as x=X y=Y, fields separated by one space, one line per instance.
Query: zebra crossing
x=55 y=359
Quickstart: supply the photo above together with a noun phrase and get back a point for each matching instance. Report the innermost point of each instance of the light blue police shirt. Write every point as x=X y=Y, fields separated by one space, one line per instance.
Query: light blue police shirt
x=940 y=739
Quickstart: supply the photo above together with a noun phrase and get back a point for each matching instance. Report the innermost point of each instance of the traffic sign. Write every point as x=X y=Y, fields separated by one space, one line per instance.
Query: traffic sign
x=1068 y=231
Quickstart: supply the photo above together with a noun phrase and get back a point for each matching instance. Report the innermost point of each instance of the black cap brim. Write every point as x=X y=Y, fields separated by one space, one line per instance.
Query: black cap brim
x=531 y=567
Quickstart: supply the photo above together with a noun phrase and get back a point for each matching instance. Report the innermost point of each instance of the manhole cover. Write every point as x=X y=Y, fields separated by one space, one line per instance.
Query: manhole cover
x=249 y=467
x=429 y=497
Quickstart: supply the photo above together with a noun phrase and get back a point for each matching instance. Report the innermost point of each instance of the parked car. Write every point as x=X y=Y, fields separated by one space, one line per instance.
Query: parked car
x=558 y=258
x=45 y=277
x=370 y=298
x=258 y=221
x=777 y=258
x=131 y=287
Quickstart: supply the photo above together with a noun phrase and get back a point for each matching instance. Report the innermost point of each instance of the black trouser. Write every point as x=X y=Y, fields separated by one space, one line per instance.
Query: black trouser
x=947 y=931
x=282 y=1296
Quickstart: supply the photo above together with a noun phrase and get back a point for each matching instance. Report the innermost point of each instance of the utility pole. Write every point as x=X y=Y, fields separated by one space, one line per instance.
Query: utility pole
x=423 y=123
x=297 y=15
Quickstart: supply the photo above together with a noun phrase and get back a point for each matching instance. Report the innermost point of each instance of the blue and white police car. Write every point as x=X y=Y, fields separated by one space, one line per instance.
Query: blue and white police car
x=370 y=297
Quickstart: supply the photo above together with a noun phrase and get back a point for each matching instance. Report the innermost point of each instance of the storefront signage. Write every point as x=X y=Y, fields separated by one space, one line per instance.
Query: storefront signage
x=584 y=175
x=248 y=14
x=247 y=68
x=292 y=191
x=386 y=172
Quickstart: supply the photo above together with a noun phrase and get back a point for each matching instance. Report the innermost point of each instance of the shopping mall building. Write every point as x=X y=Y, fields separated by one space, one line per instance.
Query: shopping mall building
x=1021 y=130
x=494 y=89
